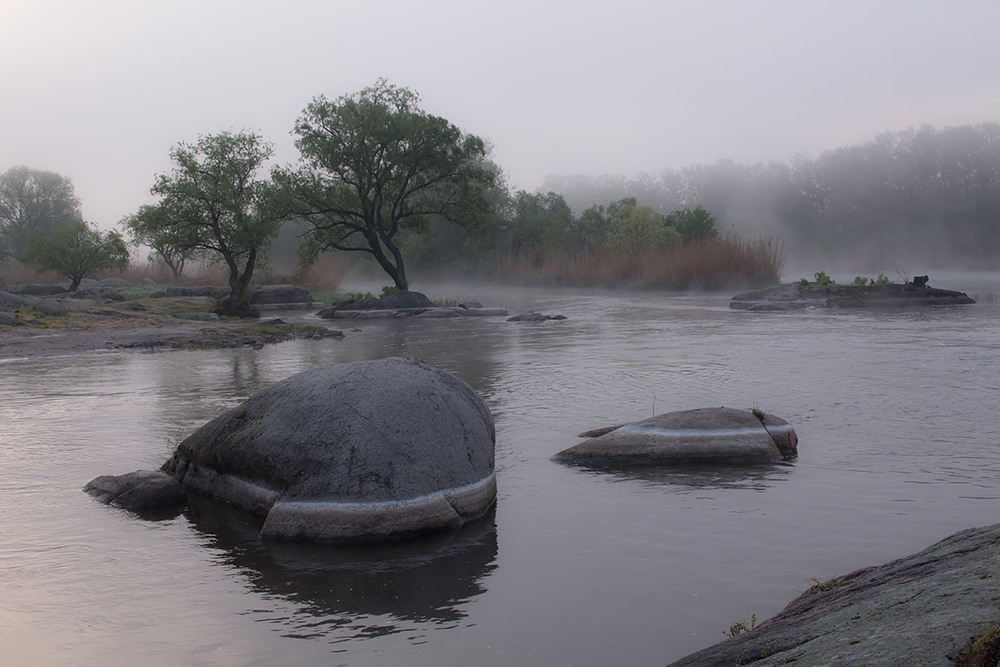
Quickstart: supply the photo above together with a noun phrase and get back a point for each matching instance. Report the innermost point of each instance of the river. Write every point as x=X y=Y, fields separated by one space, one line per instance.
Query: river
x=899 y=446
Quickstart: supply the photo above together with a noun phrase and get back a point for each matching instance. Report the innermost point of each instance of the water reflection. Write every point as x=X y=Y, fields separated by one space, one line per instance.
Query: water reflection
x=342 y=590
x=757 y=477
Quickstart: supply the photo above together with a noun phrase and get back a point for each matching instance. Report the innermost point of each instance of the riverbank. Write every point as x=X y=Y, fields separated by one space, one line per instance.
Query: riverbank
x=91 y=325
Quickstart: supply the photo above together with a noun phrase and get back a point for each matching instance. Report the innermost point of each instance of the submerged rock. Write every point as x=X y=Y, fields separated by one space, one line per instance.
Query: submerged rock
x=702 y=436
x=140 y=491
x=366 y=451
x=532 y=316
x=919 y=610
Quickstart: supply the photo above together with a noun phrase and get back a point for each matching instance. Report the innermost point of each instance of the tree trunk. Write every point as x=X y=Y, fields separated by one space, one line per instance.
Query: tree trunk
x=237 y=303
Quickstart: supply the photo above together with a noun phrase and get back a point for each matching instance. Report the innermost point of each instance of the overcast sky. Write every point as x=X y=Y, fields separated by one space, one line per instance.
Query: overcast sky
x=99 y=90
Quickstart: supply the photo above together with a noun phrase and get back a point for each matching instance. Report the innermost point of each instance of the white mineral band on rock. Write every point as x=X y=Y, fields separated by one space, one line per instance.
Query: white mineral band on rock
x=482 y=484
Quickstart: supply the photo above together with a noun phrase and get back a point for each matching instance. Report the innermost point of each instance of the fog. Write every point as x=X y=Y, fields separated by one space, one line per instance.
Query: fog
x=100 y=90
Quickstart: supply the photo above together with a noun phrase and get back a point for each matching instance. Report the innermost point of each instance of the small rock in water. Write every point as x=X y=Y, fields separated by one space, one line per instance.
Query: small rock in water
x=705 y=435
x=140 y=491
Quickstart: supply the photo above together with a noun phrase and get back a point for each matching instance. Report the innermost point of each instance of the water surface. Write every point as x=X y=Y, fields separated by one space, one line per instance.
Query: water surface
x=899 y=447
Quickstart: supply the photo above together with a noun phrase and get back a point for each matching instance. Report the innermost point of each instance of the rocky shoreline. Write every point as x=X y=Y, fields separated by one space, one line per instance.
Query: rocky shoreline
x=95 y=324
x=940 y=606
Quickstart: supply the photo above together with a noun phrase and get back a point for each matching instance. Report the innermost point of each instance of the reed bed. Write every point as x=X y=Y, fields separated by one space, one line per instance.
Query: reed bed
x=702 y=265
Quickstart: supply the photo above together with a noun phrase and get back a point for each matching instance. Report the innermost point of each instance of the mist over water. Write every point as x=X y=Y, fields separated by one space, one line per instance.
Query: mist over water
x=899 y=447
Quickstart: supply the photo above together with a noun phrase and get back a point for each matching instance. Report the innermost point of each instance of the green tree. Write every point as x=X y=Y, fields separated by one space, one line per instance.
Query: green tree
x=213 y=202
x=33 y=201
x=536 y=222
x=75 y=251
x=694 y=224
x=150 y=227
x=638 y=228
x=377 y=165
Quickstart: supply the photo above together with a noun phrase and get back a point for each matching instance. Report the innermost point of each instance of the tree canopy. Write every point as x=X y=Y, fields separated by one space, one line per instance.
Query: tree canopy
x=33 y=201
x=75 y=251
x=150 y=226
x=213 y=202
x=375 y=165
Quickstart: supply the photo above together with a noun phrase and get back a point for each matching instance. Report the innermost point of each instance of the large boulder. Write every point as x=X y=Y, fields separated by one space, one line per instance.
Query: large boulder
x=705 y=435
x=366 y=451
x=272 y=294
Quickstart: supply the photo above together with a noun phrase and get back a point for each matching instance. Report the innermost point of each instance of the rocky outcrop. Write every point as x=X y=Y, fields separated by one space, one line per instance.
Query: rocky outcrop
x=403 y=304
x=141 y=491
x=702 y=436
x=367 y=451
x=798 y=297
x=919 y=610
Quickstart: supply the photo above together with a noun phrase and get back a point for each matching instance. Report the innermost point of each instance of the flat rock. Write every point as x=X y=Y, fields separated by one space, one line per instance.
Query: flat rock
x=140 y=491
x=701 y=436
x=918 y=610
x=366 y=451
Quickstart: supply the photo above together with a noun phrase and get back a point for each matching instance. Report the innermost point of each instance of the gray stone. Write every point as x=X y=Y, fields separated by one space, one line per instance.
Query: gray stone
x=148 y=281
x=7 y=318
x=271 y=294
x=139 y=491
x=50 y=307
x=10 y=301
x=919 y=610
x=702 y=436
x=197 y=316
x=42 y=290
x=366 y=451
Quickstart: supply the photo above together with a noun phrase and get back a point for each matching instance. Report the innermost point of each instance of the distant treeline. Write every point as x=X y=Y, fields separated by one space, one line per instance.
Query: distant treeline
x=920 y=195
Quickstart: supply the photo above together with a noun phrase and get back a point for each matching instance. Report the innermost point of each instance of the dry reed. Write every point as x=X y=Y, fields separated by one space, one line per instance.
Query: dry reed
x=704 y=265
